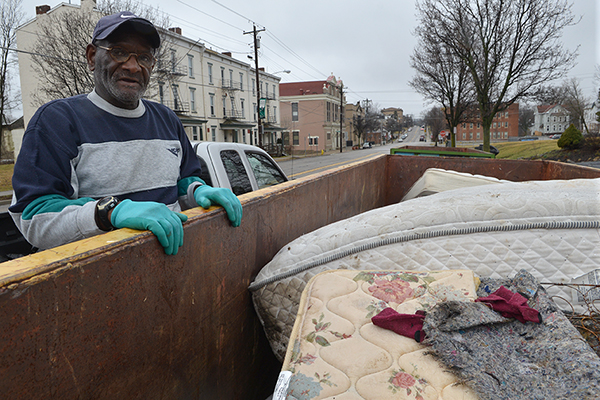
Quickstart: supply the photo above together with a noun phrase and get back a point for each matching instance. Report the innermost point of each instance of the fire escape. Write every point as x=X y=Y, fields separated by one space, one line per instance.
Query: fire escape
x=230 y=87
x=171 y=72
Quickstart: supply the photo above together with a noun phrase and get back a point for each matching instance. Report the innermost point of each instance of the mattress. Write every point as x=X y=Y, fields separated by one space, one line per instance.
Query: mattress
x=435 y=180
x=548 y=228
x=336 y=352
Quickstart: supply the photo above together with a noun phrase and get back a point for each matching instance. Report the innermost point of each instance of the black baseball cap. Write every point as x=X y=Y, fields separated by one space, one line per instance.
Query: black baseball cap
x=107 y=25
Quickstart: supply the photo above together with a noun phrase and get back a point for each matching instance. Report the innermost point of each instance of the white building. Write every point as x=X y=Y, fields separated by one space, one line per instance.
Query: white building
x=550 y=119
x=591 y=117
x=213 y=93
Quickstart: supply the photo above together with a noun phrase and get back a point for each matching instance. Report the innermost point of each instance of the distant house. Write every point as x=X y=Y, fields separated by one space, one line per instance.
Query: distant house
x=591 y=117
x=550 y=119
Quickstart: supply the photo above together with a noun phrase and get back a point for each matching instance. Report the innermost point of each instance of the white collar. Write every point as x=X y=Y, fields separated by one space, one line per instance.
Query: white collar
x=99 y=102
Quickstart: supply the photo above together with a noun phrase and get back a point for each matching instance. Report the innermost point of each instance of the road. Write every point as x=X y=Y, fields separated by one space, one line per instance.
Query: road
x=298 y=167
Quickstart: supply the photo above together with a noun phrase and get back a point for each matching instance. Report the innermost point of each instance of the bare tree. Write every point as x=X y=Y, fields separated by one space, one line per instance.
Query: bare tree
x=526 y=119
x=441 y=76
x=576 y=103
x=11 y=16
x=435 y=120
x=549 y=94
x=59 y=53
x=510 y=47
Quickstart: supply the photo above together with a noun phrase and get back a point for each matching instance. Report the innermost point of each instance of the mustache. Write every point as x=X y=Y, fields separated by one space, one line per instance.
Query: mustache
x=136 y=77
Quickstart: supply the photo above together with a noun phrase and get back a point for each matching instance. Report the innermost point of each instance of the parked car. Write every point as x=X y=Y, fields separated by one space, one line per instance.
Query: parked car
x=367 y=145
x=555 y=136
x=493 y=150
x=422 y=138
x=240 y=167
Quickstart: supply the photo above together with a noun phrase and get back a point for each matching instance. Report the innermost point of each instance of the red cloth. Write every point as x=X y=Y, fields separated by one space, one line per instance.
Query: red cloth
x=409 y=325
x=511 y=305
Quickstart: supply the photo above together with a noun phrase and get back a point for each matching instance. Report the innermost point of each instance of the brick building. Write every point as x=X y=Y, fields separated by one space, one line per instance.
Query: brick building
x=504 y=126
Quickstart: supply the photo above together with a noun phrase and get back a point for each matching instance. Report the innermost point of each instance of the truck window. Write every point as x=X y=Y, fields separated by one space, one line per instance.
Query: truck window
x=236 y=173
x=265 y=172
x=204 y=174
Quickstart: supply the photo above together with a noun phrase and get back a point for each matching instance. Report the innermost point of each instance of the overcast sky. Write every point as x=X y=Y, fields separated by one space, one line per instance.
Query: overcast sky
x=365 y=43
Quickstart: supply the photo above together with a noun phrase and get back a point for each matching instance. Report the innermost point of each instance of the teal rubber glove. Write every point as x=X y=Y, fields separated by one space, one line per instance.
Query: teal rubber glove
x=165 y=224
x=207 y=196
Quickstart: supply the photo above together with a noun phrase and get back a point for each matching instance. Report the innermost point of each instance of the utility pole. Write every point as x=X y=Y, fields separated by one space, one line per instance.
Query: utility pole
x=256 y=45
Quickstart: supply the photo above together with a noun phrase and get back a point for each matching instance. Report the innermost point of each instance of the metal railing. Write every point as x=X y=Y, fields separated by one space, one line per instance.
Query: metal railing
x=178 y=106
x=234 y=114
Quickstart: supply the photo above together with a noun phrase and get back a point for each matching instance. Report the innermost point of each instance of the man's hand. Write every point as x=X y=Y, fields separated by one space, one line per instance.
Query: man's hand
x=165 y=224
x=207 y=196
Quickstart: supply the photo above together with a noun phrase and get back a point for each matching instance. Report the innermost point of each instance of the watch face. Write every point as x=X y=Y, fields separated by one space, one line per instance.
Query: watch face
x=107 y=202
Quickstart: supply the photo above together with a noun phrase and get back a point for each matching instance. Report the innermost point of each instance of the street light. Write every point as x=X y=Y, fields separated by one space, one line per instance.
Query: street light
x=285 y=71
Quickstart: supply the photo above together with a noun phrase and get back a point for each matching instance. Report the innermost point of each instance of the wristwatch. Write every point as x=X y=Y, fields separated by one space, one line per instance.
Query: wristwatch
x=103 y=207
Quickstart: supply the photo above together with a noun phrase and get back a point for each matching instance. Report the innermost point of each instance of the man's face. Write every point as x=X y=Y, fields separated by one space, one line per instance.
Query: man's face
x=121 y=84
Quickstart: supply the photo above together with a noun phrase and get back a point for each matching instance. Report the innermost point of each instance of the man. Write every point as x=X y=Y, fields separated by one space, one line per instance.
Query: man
x=108 y=159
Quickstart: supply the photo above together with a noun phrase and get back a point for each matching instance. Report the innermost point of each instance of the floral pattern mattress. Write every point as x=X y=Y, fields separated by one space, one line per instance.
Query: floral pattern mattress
x=549 y=228
x=336 y=352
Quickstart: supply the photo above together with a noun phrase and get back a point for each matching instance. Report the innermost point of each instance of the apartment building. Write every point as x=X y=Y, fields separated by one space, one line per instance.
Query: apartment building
x=504 y=126
x=313 y=114
x=396 y=112
x=350 y=112
x=550 y=120
x=213 y=94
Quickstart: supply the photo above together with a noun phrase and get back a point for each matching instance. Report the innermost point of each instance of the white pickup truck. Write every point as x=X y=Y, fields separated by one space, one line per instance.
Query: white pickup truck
x=239 y=167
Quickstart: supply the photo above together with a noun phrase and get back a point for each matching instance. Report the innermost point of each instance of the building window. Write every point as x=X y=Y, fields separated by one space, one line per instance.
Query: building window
x=212 y=104
x=190 y=65
x=241 y=81
x=274 y=114
x=464 y=125
x=173 y=60
x=253 y=86
x=254 y=111
x=161 y=93
x=478 y=125
x=471 y=125
x=224 y=107
x=194 y=133
x=242 y=109
x=210 y=73
x=274 y=95
x=175 y=97
x=478 y=135
x=464 y=135
x=328 y=118
x=213 y=130
x=193 y=99
x=230 y=78
x=296 y=138
x=222 y=76
x=313 y=140
x=506 y=124
x=494 y=125
x=294 y=111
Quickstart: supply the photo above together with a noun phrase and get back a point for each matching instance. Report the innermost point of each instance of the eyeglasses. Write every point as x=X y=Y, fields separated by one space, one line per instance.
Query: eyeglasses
x=121 y=56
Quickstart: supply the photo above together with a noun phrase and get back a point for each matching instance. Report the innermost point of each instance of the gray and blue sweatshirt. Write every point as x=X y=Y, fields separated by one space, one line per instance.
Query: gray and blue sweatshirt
x=80 y=149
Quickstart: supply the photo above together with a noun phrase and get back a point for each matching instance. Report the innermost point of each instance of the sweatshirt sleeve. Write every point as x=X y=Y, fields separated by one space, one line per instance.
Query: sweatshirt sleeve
x=45 y=207
x=54 y=220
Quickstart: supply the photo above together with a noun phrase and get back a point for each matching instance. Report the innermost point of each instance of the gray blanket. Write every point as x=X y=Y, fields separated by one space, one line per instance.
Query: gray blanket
x=503 y=358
